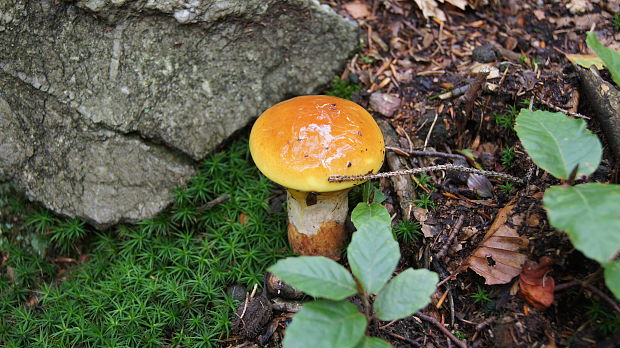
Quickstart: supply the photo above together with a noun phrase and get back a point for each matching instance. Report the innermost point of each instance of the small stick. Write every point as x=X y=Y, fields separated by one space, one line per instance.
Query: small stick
x=556 y=108
x=455 y=231
x=473 y=91
x=245 y=305
x=213 y=203
x=400 y=150
x=446 y=279
x=430 y=130
x=253 y=291
x=341 y=178
x=443 y=329
x=408 y=340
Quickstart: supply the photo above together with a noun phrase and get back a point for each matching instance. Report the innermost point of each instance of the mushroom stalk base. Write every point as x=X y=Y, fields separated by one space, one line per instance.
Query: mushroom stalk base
x=317 y=222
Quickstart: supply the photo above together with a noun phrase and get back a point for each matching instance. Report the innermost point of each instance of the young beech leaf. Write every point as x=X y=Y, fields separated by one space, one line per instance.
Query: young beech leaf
x=373 y=217
x=373 y=253
x=558 y=143
x=317 y=276
x=612 y=277
x=589 y=214
x=407 y=293
x=326 y=324
x=610 y=58
x=373 y=342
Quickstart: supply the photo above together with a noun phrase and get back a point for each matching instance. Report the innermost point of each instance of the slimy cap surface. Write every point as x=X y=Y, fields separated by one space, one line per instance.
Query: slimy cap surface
x=300 y=142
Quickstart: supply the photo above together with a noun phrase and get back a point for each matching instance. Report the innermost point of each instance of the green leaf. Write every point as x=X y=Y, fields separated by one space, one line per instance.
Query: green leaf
x=407 y=293
x=612 y=277
x=373 y=253
x=372 y=217
x=589 y=214
x=373 y=342
x=558 y=143
x=610 y=57
x=326 y=324
x=317 y=276
x=586 y=61
x=371 y=193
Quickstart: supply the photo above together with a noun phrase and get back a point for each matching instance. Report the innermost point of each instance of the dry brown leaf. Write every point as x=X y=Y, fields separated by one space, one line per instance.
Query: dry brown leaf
x=498 y=258
x=579 y=6
x=243 y=219
x=535 y=286
x=430 y=9
x=486 y=67
x=458 y=3
x=357 y=9
x=539 y=14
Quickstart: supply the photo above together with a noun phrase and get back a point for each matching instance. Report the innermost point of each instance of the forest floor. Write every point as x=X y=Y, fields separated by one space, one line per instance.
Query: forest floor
x=451 y=87
x=425 y=78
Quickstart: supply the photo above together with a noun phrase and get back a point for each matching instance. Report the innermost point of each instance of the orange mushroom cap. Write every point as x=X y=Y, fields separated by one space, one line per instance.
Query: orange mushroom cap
x=299 y=143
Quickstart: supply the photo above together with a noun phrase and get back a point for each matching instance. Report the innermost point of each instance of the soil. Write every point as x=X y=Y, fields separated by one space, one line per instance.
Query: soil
x=415 y=60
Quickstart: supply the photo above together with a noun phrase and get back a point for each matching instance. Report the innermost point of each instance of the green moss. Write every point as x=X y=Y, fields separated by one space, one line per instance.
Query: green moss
x=160 y=282
x=343 y=88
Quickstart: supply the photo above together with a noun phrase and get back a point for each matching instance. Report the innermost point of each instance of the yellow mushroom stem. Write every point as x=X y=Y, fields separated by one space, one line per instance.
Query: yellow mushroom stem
x=316 y=222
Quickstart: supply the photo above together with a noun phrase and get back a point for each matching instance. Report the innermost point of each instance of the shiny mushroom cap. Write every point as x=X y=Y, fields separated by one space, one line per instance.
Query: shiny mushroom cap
x=299 y=143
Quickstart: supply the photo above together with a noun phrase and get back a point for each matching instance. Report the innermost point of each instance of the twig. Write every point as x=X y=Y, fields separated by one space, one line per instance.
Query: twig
x=400 y=150
x=457 y=92
x=443 y=329
x=245 y=305
x=455 y=231
x=430 y=130
x=408 y=340
x=473 y=91
x=557 y=108
x=402 y=185
x=446 y=279
x=213 y=203
x=595 y=290
x=342 y=178
x=482 y=326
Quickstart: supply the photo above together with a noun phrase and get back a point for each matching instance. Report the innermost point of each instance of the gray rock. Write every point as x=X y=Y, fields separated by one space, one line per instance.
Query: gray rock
x=79 y=169
x=484 y=54
x=105 y=104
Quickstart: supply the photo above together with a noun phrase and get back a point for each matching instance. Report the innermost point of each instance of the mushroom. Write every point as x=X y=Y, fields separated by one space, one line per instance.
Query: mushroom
x=299 y=143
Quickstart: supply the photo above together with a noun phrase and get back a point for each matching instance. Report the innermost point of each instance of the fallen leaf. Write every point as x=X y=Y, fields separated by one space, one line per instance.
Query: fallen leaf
x=498 y=258
x=458 y=3
x=535 y=286
x=34 y=299
x=357 y=9
x=467 y=232
x=579 y=6
x=586 y=60
x=533 y=220
x=430 y=9
x=486 y=67
x=420 y=214
x=540 y=14
x=428 y=231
